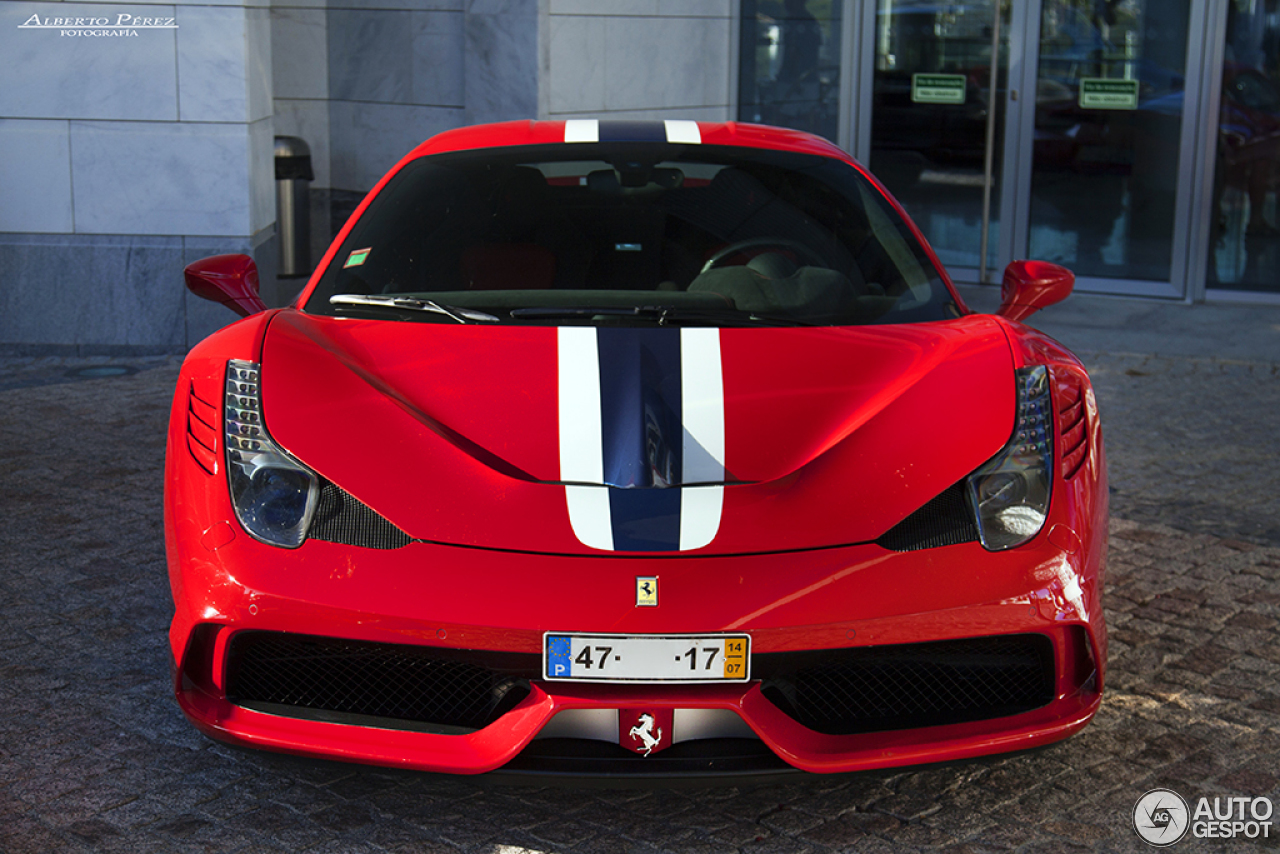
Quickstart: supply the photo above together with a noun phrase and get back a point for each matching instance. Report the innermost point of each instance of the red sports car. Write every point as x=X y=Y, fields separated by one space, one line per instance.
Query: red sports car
x=649 y=448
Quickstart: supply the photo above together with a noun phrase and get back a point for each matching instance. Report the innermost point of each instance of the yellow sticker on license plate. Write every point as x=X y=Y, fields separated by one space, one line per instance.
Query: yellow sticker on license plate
x=735 y=657
x=646 y=658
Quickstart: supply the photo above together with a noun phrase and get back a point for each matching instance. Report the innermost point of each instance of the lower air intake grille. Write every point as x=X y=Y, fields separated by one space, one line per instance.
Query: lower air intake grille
x=944 y=521
x=872 y=689
x=423 y=685
x=340 y=517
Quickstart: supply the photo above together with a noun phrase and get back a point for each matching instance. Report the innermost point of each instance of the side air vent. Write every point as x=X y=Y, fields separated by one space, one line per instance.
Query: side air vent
x=202 y=431
x=944 y=521
x=1069 y=401
x=340 y=517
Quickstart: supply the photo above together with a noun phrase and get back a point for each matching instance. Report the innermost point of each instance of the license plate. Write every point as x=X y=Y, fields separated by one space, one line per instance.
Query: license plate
x=646 y=658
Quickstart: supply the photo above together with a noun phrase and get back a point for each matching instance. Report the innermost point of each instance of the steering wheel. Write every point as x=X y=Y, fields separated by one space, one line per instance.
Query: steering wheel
x=806 y=253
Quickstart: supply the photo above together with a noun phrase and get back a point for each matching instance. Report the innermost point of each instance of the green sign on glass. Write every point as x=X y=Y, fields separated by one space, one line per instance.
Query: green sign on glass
x=1097 y=93
x=937 y=88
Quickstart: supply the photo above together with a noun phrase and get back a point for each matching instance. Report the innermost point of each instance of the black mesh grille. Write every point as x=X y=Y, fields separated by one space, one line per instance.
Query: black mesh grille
x=944 y=521
x=426 y=685
x=870 y=689
x=340 y=517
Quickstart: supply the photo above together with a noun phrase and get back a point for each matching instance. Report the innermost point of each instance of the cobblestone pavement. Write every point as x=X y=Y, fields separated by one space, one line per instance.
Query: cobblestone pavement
x=95 y=756
x=1191 y=443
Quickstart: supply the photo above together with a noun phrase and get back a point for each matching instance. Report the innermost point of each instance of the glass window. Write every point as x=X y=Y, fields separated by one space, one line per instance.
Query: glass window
x=1109 y=110
x=789 y=64
x=621 y=233
x=932 y=85
x=1245 y=250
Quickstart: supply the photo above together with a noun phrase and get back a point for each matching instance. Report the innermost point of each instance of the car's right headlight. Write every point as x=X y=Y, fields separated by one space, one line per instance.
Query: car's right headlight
x=1009 y=495
x=273 y=494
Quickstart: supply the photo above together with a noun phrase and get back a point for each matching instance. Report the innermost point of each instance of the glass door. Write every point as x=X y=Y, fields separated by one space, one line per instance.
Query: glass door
x=1106 y=188
x=932 y=111
x=790 y=64
x=1244 y=217
x=1092 y=132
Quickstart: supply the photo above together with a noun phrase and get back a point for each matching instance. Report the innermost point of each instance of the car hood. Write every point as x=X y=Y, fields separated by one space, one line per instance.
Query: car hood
x=576 y=440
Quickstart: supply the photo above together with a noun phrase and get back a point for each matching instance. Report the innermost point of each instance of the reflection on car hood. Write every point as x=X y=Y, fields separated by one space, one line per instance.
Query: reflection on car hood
x=482 y=436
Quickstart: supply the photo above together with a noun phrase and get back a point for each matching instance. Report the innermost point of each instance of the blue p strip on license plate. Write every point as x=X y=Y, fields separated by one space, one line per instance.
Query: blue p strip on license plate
x=646 y=658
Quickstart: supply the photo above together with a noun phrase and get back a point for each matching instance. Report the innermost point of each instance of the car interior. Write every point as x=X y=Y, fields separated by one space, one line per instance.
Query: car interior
x=756 y=238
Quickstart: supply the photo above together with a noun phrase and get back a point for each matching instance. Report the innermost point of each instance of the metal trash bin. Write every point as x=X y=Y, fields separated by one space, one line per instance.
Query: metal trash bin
x=293 y=206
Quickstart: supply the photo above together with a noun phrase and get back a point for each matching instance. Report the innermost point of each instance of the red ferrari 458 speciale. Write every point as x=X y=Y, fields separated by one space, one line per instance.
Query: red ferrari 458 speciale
x=634 y=448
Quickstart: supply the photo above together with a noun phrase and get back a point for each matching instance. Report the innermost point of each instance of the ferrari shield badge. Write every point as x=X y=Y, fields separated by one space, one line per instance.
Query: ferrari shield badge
x=646 y=591
x=645 y=731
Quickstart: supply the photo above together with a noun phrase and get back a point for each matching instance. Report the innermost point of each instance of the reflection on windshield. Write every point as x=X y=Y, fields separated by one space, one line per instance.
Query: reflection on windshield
x=634 y=234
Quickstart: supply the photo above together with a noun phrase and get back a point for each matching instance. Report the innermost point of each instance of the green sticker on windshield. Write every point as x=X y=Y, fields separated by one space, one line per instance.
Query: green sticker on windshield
x=356 y=258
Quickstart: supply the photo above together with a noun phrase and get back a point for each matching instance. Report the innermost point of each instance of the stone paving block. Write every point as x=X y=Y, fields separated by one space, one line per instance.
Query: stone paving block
x=1007 y=835
x=959 y=824
x=876 y=846
x=401 y=838
x=974 y=848
x=279 y=825
x=776 y=845
x=608 y=845
x=27 y=834
x=563 y=833
x=790 y=822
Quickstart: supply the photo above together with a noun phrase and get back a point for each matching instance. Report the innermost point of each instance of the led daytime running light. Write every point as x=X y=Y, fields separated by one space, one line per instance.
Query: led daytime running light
x=1010 y=494
x=245 y=433
x=274 y=495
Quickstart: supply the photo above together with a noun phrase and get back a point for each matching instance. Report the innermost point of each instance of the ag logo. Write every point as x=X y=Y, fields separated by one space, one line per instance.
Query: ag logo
x=1161 y=817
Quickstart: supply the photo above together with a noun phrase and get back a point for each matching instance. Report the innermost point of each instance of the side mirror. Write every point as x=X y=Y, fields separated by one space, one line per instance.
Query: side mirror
x=228 y=279
x=1029 y=286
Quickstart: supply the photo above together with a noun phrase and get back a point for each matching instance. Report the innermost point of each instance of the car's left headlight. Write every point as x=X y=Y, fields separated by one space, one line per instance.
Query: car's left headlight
x=1009 y=495
x=273 y=494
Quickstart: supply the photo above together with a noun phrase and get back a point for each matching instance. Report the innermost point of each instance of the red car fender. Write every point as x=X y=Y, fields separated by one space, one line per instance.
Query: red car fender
x=196 y=508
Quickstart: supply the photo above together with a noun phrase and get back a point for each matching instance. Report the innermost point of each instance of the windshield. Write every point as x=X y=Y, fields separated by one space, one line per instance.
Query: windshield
x=632 y=234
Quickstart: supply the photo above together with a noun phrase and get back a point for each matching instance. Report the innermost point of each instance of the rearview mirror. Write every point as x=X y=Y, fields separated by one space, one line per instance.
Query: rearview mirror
x=1029 y=286
x=231 y=280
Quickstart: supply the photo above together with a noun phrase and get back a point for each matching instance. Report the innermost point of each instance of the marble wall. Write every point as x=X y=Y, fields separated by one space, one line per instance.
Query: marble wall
x=639 y=59
x=35 y=176
x=300 y=79
x=401 y=71
x=95 y=294
x=123 y=158
x=123 y=143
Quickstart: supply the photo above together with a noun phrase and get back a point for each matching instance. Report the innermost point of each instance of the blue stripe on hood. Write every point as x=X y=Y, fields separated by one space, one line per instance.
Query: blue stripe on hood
x=633 y=131
x=642 y=434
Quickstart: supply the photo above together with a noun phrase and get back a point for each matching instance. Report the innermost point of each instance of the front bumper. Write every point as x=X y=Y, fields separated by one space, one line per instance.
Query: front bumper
x=440 y=597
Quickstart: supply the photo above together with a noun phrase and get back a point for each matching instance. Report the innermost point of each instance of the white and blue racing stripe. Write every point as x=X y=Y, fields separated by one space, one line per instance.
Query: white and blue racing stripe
x=580 y=440
x=641 y=425
x=670 y=130
x=702 y=455
x=642 y=436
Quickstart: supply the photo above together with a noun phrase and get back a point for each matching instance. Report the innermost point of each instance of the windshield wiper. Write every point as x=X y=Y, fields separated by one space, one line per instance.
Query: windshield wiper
x=663 y=314
x=462 y=315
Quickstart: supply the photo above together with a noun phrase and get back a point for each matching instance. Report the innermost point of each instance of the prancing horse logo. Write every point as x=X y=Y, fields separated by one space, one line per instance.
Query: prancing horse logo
x=645 y=732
